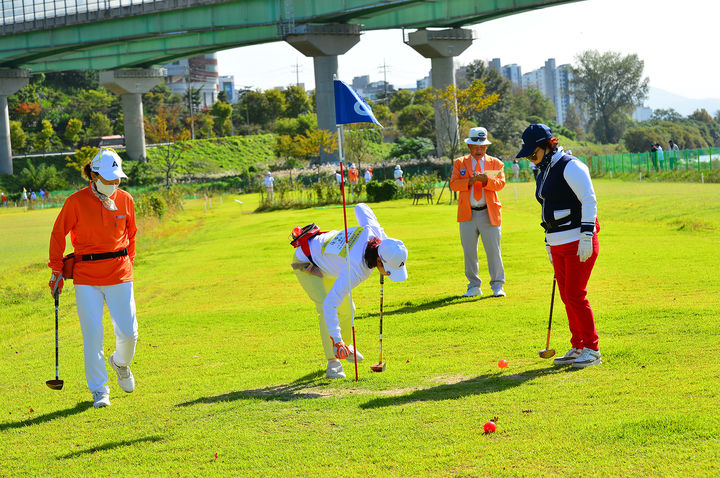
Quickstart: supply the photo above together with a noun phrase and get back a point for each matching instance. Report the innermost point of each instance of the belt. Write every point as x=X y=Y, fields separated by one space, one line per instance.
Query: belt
x=480 y=208
x=105 y=255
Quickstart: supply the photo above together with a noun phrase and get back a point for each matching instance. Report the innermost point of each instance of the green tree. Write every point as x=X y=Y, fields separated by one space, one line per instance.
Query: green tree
x=99 y=125
x=666 y=115
x=400 y=100
x=534 y=103
x=18 y=137
x=610 y=86
x=276 y=104
x=45 y=138
x=417 y=120
x=701 y=115
x=504 y=118
x=89 y=102
x=296 y=101
x=204 y=126
x=81 y=157
x=572 y=121
x=221 y=113
x=161 y=96
x=460 y=103
x=72 y=131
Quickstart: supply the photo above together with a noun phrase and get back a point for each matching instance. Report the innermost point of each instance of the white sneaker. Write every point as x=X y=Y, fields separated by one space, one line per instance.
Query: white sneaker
x=334 y=370
x=568 y=358
x=587 y=358
x=101 y=399
x=125 y=376
x=499 y=292
x=351 y=357
x=472 y=292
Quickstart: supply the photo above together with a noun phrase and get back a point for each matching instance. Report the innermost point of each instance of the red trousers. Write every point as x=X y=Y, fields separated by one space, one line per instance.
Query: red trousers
x=572 y=277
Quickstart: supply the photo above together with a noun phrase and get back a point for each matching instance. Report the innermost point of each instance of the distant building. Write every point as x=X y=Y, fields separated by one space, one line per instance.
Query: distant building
x=377 y=89
x=512 y=72
x=227 y=84
x=554 y=82
x=423 y=83
x=199 y=73
x=642 y=113
x=360 y=82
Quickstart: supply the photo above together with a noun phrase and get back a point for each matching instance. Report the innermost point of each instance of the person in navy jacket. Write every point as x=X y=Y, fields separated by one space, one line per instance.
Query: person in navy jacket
x=569 y=216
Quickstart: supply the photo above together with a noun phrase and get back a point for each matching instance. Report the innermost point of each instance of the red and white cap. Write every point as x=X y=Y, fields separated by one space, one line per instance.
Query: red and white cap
x=393 y=255
x=107 y=164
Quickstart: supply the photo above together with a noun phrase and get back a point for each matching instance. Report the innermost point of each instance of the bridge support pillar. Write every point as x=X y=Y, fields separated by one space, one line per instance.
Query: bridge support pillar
x=441 y=46
x=130 y=85
x=11 y=81
x=324 y=43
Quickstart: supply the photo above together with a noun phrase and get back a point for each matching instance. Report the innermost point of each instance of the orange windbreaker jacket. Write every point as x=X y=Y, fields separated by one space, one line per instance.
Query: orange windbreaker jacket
x=94 y=229
x=462 y=172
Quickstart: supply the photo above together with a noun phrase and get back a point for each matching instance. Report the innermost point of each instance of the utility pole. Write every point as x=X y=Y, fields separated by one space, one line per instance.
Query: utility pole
x=297 y=69
x=384 y=68
x=192 y=117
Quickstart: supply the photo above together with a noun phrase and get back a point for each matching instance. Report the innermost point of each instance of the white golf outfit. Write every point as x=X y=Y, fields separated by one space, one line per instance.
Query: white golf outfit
x=120 y=300
x=330 y=292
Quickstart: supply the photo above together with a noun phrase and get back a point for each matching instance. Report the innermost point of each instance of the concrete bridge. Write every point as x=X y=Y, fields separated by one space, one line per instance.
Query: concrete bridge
x=126 y=39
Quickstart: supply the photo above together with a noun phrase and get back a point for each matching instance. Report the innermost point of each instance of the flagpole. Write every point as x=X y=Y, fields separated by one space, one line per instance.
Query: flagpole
x=347 y=246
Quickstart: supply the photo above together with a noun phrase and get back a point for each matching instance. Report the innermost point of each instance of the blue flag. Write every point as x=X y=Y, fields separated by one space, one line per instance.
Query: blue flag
x=350 y=107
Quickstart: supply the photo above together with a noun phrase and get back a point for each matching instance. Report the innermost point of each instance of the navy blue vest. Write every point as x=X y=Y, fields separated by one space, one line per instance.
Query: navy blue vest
x=555 y=194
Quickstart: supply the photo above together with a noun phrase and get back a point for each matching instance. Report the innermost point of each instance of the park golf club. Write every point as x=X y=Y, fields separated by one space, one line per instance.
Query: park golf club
x=547 y=352
x=56 y=384
x=380 y=366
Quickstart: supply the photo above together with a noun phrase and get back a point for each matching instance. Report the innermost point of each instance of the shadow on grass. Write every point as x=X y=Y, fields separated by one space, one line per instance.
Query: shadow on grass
x=411 y=307
x=291 y=391
x=487 y=383
x=110 y=446
x=79 y=408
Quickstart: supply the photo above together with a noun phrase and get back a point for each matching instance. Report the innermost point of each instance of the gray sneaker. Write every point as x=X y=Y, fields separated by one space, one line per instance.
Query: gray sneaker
x=125 y=376
x=334 y=370
x=587 y=358
x=351 y=357
x=101 y=399
x=499 y=292
x=568 y=358
x=473 y=292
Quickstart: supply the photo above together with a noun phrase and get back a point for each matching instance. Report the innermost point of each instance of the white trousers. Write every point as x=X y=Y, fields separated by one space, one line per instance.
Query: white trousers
x=120 y=300
x=317 y=289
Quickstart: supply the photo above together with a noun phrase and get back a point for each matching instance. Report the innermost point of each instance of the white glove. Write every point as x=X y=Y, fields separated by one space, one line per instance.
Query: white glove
x=547 y=246
x=585 y=247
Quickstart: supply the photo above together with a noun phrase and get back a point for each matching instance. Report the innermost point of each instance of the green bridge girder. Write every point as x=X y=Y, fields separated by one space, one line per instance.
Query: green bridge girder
x=162 y=37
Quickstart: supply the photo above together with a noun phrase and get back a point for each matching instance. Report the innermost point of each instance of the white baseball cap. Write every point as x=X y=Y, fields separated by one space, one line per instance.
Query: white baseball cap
x=478 y=135
x=107 y=164
x=393 y=255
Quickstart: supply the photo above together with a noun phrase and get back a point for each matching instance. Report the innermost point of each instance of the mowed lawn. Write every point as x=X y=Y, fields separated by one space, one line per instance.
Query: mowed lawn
x=230 y=371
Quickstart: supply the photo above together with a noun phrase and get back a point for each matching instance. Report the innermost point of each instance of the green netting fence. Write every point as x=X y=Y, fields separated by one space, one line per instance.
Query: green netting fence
x=705 y=159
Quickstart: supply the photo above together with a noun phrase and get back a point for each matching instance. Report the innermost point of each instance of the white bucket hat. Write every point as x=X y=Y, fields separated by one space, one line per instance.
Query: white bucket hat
x=107 y=164
x=393 y=254
x=478 y=135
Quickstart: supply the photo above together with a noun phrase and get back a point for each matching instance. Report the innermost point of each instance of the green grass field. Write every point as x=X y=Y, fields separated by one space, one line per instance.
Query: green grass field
x=229 y=360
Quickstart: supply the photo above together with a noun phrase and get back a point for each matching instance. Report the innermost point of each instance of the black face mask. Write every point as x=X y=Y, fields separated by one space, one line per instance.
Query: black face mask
x=545 y=163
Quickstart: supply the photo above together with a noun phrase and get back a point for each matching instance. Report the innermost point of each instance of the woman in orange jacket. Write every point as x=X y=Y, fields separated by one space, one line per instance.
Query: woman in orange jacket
x=101 y=222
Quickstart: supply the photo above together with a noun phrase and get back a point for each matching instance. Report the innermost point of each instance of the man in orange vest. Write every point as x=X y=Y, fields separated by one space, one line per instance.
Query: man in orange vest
x=477 y=178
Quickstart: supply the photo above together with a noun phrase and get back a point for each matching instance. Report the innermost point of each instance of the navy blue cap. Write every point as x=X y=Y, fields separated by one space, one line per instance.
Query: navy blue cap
x=532 y=137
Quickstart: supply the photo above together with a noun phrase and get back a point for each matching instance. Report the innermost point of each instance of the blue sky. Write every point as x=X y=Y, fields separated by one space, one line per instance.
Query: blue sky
x=676 y=40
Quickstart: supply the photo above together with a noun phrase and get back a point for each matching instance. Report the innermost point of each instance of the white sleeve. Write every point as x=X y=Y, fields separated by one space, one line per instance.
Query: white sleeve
x=577 y=176
x=365 y=216
x=335 y=297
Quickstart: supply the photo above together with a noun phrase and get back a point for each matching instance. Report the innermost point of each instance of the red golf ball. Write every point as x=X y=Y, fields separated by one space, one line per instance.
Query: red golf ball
x=490 y=427
x=502 y=364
